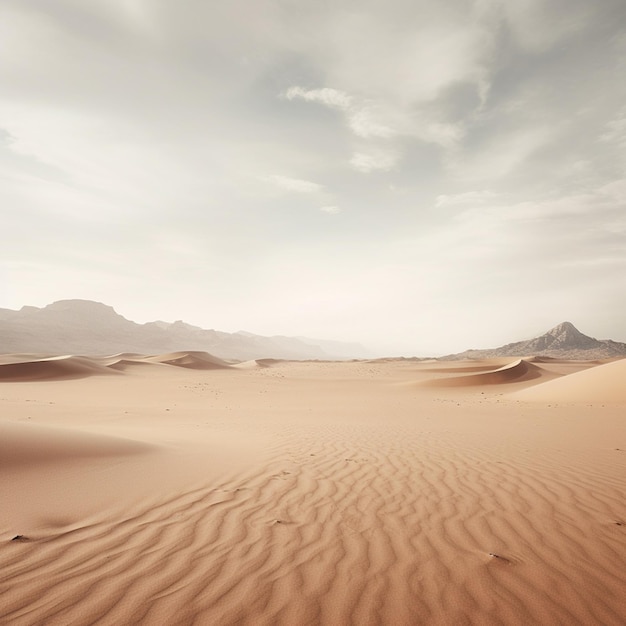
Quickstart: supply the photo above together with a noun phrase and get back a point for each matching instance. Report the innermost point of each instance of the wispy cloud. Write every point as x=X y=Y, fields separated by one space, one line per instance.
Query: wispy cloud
x=365 y=118
x=332 y=98
x=615 y=129
x=376 y=120
x=373 y=160
x=331 y=209
x=370 y=118
x=465 y=199
x=293 y=184
x=370 y=121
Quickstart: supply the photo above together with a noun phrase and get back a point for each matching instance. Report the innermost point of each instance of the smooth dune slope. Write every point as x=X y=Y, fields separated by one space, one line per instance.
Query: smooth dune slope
x=603 y=383
x=313 y=493
x=28 y=444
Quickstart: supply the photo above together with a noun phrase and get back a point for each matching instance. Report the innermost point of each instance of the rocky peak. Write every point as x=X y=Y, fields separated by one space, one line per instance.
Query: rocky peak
x=81 y=312
x=78 y=305
x=565 y=336
x=565 y=328
x=563 y=341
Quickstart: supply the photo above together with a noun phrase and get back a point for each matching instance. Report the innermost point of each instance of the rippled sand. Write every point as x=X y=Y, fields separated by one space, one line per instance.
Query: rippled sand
x=181 y=490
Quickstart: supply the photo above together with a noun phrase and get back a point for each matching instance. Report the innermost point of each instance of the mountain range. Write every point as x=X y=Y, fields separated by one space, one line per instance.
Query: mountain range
x=564 y=341
x=92 y=328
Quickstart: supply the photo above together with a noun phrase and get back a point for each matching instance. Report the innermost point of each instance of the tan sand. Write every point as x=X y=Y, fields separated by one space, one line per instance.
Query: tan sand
x=605 y=384
x=176 y=489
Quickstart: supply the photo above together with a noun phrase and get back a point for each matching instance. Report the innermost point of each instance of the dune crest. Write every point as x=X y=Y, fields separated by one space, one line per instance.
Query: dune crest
x=519 y=370
x=191 y=360
x=51 y=368
x=253 y=364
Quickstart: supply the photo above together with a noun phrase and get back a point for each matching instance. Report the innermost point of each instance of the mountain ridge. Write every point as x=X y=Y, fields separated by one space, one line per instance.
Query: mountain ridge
x=93 y=328
x=564 y=341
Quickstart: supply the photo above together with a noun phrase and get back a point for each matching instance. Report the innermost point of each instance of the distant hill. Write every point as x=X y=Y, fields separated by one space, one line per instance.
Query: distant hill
x=564 y=341
x=92 y=328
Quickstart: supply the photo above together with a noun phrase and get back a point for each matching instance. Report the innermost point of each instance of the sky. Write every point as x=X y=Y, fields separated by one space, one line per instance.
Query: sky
x=419 y=176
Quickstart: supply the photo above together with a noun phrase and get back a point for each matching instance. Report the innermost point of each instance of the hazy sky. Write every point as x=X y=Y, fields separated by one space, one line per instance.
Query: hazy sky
x=420 y=176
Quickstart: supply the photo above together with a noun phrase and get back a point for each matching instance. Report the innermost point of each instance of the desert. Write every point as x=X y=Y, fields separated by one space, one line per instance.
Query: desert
x=275 y=284
x=186 y=489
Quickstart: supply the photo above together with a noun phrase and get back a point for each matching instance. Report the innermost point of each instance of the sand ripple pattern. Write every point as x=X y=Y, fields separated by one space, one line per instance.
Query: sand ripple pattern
x=345 y=525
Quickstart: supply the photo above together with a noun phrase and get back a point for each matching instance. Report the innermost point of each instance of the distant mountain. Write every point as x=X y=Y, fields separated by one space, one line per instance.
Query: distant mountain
x=92 y=328
x=564 y=341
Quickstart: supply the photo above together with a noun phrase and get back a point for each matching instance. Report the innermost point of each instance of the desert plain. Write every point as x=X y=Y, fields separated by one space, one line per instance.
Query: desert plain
x=181 y=489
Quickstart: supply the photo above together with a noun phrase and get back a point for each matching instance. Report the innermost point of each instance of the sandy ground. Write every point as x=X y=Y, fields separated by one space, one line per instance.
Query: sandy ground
x=181 y=490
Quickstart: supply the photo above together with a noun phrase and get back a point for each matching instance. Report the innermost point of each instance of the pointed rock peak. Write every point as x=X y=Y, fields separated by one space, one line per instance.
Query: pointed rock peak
x=564 y=341
x=566 y=335
x=564 y=328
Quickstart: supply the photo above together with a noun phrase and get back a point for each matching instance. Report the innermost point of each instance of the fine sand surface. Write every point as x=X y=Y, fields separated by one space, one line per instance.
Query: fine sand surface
x=180 y=489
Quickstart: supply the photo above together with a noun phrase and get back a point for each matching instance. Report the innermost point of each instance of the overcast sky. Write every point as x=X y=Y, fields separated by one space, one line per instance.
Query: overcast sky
x=421 y=176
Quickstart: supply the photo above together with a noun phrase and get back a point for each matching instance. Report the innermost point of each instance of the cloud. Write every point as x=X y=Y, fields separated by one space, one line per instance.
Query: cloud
x=294 y=184
x=503 y=119
x=5 y=137
x=372 y=161
x=371 y=118
x=332 y=98
x=465 y=199
x=572 y=226
x=409 y=53
x=505 y=153
x=421 y=74
x=615 y=130
x=442 y=134
x=369 y=121
x=364 y=118
x=538 y=25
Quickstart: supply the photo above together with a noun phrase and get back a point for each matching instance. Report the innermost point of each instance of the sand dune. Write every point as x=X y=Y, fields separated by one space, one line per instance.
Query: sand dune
x=254 y=364
x=519 y=370
x=51 y=368
x=604 y=383
x=191 y=360
x=451 y=367
x=36 y=367
x=310 y=493
x=125 y=365
x=32 y=444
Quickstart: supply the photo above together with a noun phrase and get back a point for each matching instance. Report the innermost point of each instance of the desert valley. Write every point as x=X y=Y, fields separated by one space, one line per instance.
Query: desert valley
x=183 y=488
